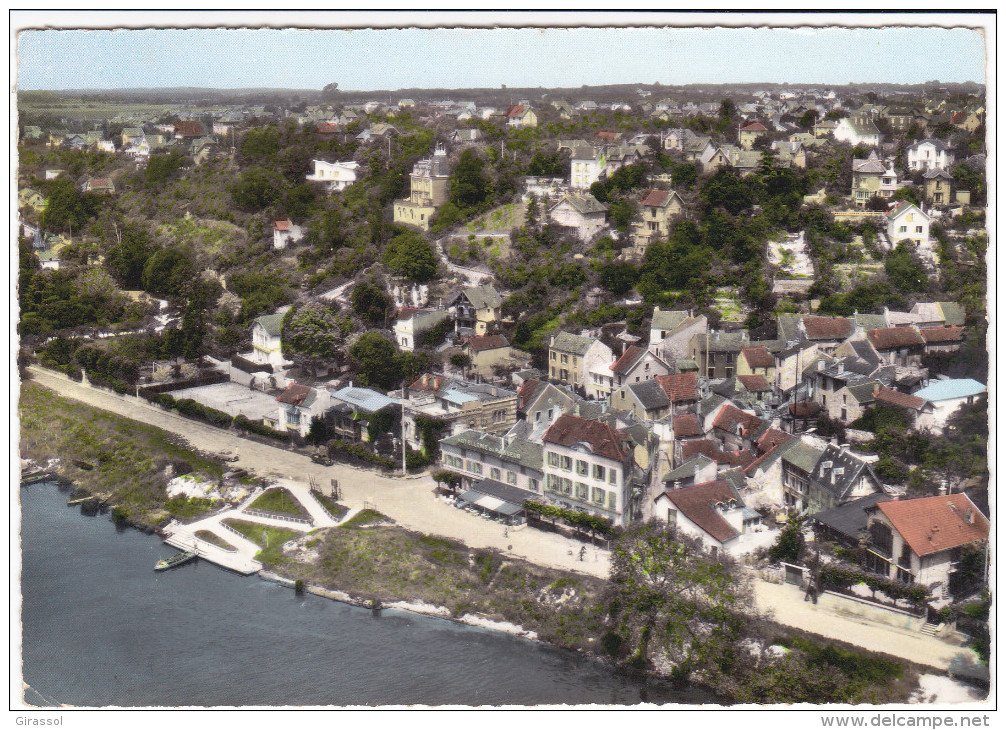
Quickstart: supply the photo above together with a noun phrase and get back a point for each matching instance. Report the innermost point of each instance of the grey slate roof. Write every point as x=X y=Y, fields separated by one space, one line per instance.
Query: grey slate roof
x=585 y=204
x=273 y=324
x=689 y=468
x=568 y=342
x=483 y=297
x=850 y=519
x=801 y=455
x=650 y=395
x=863 y=392
x=523 y=453
x=667 y=319
x=709 y=404
x=838 y=485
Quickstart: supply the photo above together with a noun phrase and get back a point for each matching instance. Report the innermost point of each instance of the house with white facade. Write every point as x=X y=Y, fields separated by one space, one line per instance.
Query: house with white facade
x=504 y=458
x=588 y=466
x=929 y=154
x=298 y=405
x=712 y=512
x=920 y=540
x=583 y=362
x=581 y=214
x=335 y=175
x=411 y=322
x=267 y=341
x=285 y=232
x=907 y=221
x=857 y=130
x=949 y=395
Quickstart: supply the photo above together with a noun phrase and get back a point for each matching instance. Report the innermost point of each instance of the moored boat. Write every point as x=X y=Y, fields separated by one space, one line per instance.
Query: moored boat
x=174 y=560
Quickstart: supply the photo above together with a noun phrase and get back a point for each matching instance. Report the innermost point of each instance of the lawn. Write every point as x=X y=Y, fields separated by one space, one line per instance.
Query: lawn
x=270 y=538
x=279 y=500
x=333 y=507
x=214 y=539
x=364 y=517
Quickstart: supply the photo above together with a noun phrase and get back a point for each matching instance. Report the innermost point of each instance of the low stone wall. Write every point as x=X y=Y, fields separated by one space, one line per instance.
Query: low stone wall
x=858 y=608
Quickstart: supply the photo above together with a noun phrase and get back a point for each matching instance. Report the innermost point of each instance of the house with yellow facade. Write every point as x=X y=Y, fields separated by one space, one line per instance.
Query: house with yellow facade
x=749 y=133
x=658 y=210
x=428 y=191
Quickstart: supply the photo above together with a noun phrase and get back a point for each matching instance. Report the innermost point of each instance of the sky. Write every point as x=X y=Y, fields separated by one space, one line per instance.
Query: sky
x=458 y=58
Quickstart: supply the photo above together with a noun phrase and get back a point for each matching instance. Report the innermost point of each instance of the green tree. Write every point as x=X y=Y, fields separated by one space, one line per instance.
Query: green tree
x=260 y=145
x=724 y=189
x=311 y=335
x=469 y=186
x=905 y=273
x=621 y=213
x=789 y=544
x=66 y=207
x=619 y=277
x=167 y=272
x=673 y=598
x=376 y=360
x=259 y=292
x=684 y=174
x=370 y=302
x=160 y=167
x=410 y=255
x=128 y=257
x=256 y=189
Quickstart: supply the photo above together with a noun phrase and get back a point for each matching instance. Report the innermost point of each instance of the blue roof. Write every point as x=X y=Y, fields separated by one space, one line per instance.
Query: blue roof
x=364 y=399
x=458 y=397
x=946 y=389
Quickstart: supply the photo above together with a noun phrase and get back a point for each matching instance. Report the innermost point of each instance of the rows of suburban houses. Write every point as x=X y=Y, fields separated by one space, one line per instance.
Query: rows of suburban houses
x=708 y=430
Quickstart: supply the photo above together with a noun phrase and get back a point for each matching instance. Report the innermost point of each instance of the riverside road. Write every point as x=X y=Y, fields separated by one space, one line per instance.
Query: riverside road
x=411 y=503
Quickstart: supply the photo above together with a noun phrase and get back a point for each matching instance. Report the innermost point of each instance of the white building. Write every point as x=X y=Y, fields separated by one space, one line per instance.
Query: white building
x=267 y=342
x=714 y=513
x=907 y=221
x=410 y=322
x=929 y=154
x=857 y=130
x=336 y=175
x=588 y=467
x=285 y=232
x=947 y=396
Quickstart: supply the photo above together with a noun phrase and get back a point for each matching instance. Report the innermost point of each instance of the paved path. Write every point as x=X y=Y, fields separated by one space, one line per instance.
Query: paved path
x=786 y=601
x=412 y=504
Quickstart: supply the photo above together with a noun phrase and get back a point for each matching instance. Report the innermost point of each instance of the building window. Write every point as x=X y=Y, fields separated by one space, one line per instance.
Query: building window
x=672 y=517
x=581 y=468
x=494 y=473
x=918 y=229
x=532 y=485
x=612 y=477
x=598 y=472
x=581 y=490
x=566 y=463
x=553 y=458
x=551 y=356
x=511 y=478
x=597 y=496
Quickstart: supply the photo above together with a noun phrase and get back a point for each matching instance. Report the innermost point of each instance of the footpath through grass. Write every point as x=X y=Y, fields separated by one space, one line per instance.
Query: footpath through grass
x=129 y=458
x=214 y=539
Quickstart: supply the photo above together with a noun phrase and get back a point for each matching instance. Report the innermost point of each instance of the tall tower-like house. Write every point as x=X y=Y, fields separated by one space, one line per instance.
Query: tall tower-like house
x=428 y=191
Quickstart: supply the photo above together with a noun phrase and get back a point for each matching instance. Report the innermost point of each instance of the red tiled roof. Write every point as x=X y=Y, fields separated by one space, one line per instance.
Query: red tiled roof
x=753 y=466
x=627 y=359
x=730 y=416
x=406 y=312
x=283 y=225
x=680 y=386
x=712 y=450
x=655 y=198
x=478 y=343
x=933 y=524
x=525 y=391
x=686 y=426
x=515 y=111
x=327 y=128
x=698 y=504
x=758 y=357
x=606 y=135
x=428 y=382
x=603 y=439
x=754 y=383
x=294 y=394
x=189 y=129
x=896 y=398
x=771 y=438
x=827 y=328
x=804 y=409
x=891 y=337
x=942 y=334
x=754 y=126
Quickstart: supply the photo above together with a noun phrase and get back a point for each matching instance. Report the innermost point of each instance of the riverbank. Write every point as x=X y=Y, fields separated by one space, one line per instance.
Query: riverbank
x=562 y=607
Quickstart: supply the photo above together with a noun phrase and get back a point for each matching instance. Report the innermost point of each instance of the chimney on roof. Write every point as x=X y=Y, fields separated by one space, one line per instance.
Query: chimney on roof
x=820 y=365
x=841 y=367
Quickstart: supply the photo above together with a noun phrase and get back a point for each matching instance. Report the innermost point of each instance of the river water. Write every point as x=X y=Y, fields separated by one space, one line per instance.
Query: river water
x=101 y=628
